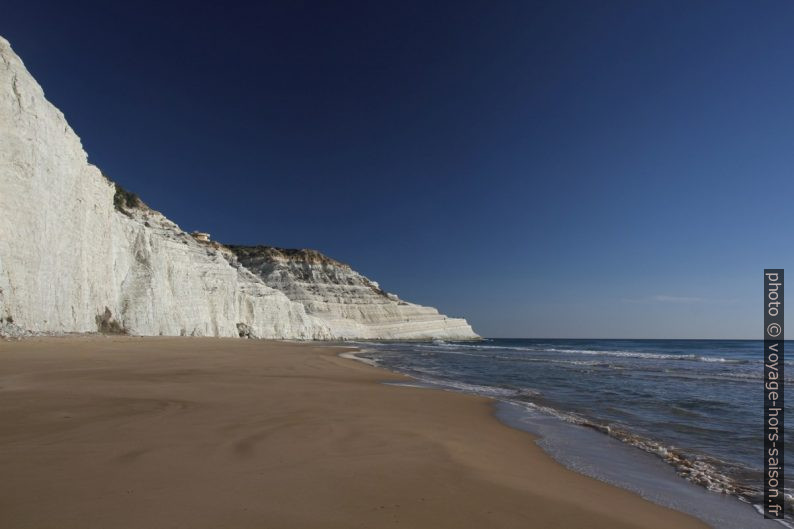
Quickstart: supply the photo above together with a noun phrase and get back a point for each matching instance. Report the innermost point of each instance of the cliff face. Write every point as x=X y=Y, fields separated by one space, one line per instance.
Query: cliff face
x=72 y=261
x=352 y=305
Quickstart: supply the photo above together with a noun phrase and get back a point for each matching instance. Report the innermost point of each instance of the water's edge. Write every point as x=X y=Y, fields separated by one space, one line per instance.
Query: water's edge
x=599 y=456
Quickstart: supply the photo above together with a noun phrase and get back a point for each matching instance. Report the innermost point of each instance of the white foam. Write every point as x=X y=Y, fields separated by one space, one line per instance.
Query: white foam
x=649 y=356
x=354 y=356
x=444 y=347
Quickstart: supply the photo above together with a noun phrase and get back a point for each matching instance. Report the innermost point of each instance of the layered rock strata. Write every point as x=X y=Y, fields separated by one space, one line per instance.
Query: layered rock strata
x=351 y=304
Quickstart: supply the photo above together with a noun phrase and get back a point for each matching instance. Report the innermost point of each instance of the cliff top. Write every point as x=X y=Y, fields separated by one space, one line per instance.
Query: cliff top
x=293 y=254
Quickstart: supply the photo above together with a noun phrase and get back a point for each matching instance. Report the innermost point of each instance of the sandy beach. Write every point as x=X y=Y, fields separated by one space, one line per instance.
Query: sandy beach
x=119 y=432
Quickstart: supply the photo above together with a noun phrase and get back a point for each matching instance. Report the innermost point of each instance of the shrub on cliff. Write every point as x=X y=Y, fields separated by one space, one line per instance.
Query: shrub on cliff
x=125 y=199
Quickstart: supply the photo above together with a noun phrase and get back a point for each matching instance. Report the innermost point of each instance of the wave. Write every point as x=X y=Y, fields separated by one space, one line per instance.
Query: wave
x=653 y=356
x=720 y=377
x=441 y=346
x=488 y=391
x=699 y=469
x=581 y=362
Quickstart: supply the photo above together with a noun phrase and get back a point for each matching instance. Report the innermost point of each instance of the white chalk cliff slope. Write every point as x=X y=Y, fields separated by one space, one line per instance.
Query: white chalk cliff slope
x=353 y=306
x=79 y=255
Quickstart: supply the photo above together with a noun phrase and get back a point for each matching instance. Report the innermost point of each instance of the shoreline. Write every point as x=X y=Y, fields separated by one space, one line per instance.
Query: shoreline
x=592 y=452
x=202 y=432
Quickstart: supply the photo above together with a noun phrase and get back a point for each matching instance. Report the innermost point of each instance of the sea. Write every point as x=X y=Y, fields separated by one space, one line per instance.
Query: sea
x=676 y=421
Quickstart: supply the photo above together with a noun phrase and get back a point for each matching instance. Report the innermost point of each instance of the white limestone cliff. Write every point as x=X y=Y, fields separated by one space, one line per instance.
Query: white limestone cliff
x=73 y=261
x=352 y=305
x=70 y=261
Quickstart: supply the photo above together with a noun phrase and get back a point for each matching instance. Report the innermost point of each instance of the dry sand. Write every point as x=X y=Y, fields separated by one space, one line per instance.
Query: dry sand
x=150 y=433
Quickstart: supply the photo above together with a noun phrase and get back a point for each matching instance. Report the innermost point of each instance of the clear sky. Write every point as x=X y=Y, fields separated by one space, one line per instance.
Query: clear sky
x=545 y=169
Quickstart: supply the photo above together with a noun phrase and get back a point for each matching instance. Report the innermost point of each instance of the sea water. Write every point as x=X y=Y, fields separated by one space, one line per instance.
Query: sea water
x=641 y=414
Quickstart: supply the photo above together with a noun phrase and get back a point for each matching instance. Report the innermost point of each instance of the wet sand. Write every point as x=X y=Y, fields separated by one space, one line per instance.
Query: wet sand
x=116 y=433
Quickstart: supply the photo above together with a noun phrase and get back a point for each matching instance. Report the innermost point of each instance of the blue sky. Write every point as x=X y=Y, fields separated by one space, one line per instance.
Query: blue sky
x=557 y=169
